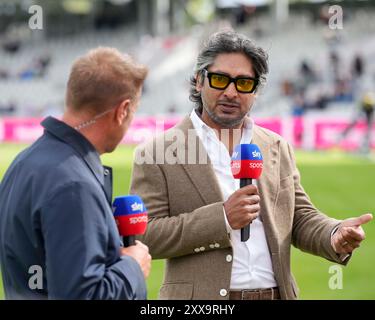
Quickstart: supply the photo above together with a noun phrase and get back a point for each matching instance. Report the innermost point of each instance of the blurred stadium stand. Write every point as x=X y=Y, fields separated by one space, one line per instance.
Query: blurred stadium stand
x=165 y=34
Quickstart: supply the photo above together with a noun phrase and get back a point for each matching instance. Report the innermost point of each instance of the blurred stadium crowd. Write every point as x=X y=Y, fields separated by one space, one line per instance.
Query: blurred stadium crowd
x=314 y=69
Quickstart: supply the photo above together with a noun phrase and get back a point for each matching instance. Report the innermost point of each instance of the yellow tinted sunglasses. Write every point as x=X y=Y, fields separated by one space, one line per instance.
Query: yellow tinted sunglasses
x=221 y=82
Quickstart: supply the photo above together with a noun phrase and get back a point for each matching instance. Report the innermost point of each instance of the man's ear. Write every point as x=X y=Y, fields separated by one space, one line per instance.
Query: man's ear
x=199 y=82
x=122 y=111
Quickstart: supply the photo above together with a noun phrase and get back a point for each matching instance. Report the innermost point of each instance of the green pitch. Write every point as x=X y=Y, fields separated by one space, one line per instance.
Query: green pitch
x=340 y=185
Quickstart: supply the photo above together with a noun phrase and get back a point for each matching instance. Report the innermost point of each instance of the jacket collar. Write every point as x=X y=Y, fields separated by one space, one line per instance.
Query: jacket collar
x=78 y=142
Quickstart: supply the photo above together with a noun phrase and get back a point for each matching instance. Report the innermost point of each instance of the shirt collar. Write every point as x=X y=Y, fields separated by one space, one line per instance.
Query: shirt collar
x=78 y=142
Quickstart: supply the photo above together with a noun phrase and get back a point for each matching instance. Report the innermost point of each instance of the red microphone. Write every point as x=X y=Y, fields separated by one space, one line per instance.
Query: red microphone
x=131 y=217
x=246 y=165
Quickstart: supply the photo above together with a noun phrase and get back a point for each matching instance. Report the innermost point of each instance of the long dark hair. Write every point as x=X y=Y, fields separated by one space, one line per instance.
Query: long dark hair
x=226 y=42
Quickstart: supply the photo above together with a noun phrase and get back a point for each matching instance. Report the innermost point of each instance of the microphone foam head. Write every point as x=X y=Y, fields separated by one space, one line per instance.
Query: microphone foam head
x=247 y=162
x=130 y=215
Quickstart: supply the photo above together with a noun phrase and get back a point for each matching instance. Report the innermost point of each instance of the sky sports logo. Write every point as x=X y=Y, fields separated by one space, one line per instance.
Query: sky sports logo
x=255 y=154
x=138 y=219
x=256 y=165
x=252 y=165
x=137 y=206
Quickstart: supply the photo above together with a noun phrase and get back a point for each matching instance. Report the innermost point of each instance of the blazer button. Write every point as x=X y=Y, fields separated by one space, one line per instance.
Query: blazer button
x=202 y=248
x=212 y=246
x=223 y=292
x=197 y=250
x=229 y=258
x=217 y=245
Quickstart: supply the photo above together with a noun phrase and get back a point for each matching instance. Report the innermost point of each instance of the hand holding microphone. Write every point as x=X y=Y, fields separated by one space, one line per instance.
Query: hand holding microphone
x=131 y=218
x=242 y=207
x=140 y=253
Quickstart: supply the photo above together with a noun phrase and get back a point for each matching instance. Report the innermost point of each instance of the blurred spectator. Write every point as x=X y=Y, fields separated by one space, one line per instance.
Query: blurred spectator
x=358 y=70
x=242 y=13
x=324 y=14
x=343 y=90
x=299 y=105
x=42 y=63
x=4 y=74
x=307 y=74
x=358 y=66
x=8 y=109
x=322 y=102
x=172 y=110
x=367 y=105
x=37 y=69
x=11 y=46
x=287 y=87
x=334 y=61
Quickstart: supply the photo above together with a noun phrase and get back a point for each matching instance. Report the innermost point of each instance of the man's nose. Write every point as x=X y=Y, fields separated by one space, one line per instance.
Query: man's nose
x=231 y=91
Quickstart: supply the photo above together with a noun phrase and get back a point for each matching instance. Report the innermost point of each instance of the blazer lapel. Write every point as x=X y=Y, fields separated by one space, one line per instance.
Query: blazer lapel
x=205 y=181
x=198 y=166
x=268 y=184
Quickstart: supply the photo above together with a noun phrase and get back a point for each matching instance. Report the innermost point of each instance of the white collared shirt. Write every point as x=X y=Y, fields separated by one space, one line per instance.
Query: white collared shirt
x=252 y=266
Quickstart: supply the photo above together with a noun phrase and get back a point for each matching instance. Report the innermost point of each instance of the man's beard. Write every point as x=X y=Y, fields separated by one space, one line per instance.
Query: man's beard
x=222 y=122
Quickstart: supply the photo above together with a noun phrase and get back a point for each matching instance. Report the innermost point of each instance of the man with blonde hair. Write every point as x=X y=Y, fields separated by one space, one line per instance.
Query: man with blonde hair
x=58 y=238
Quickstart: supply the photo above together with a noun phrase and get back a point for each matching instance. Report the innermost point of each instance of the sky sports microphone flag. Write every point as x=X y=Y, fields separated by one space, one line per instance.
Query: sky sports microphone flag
x=246 y=165
x=131 y=217
x=247 y=162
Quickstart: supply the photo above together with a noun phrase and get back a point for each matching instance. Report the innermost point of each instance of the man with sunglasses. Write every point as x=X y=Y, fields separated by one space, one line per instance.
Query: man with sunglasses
x=196 y=208
x=58 y=237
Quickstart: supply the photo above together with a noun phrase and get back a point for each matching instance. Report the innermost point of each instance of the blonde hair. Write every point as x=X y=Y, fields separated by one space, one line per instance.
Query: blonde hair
x=103 y=78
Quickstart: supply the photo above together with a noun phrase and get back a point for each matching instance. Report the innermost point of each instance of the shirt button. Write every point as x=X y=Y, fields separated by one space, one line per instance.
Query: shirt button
x=223 y=292
x=217 y=245
x=202 y=248
x=197 y=250
x=229 y=258
x=106 y=172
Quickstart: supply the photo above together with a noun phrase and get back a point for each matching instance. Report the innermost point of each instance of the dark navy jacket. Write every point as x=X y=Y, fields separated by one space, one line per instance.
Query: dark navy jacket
x=55 y=214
